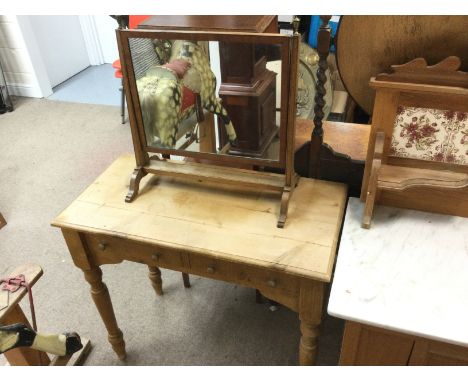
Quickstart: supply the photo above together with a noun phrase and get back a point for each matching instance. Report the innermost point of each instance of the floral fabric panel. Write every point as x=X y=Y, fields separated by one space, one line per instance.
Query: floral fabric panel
x=430 y=134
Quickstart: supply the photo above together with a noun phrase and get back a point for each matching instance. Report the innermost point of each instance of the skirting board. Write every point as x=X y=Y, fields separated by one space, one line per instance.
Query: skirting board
x=25 y=90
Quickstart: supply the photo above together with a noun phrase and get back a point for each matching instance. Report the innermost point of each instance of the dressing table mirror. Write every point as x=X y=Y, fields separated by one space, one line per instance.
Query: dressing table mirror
x=202 y=106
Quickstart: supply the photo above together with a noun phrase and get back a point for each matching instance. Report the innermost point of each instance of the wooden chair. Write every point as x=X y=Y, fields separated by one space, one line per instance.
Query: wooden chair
x=418 y=147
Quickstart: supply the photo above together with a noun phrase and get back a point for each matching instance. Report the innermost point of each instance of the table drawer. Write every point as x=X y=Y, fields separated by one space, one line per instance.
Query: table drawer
x=247 y=275
x=112 y=250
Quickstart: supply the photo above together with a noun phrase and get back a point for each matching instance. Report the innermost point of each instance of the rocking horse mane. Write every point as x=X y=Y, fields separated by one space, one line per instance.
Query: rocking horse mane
x=168 y=50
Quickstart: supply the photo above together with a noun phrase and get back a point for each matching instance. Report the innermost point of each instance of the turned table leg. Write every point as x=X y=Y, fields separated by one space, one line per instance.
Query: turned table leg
x=308 y=344
x=103 y=303
x=310 y=314
x=156 y=280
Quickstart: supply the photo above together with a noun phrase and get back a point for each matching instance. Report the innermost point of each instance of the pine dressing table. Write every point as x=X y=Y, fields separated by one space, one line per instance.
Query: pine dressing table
x=218 y=232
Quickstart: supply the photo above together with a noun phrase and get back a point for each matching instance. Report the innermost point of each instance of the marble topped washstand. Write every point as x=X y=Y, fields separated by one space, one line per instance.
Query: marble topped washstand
x=402 y=287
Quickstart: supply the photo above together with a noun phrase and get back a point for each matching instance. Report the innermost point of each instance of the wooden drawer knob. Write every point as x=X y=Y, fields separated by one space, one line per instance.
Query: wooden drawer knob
x=210 y=270
x=271 y=283
x=102 y=245
x=156 y=256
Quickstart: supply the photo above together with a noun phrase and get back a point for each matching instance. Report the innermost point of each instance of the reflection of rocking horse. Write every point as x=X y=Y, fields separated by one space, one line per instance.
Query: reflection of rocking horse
x=171 y=93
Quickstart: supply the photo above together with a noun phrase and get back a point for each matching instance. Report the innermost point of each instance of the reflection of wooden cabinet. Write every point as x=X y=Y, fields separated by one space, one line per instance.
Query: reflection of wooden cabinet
x=365 y=345
x=248 y=91
x=251 y=108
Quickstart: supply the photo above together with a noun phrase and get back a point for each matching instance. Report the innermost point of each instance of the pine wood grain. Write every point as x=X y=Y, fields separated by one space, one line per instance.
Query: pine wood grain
x=216 y=174
x=219 y=231
x=230 y=223
x=400 y=178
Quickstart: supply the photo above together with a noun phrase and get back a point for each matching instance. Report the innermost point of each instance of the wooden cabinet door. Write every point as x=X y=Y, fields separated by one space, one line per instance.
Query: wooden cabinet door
x=365 y=345
x=433 y=353
x=369 y=346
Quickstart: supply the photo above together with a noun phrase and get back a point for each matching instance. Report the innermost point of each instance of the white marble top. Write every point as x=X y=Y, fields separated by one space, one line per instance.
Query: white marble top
x=407 y=273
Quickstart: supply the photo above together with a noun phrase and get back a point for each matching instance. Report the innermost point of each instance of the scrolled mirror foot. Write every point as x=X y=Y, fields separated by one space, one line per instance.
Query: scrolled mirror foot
x=137 y=174
x=284 y=207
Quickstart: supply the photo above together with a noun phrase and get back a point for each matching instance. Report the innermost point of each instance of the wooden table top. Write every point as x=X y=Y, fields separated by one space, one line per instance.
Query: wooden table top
x=344 y=138
x=233 y=224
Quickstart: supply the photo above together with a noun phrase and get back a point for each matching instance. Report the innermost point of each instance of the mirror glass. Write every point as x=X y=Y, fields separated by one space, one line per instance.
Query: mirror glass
x=210 y=96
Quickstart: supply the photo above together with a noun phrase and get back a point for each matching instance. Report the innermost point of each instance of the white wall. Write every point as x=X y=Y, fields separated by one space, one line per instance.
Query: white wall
x=62 y=46
x=21 y=71
x=105 y=27
x=39 y=52
x=99 y=35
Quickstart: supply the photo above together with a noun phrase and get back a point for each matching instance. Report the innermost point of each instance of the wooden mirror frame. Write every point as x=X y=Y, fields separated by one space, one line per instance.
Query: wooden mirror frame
x=223 y=168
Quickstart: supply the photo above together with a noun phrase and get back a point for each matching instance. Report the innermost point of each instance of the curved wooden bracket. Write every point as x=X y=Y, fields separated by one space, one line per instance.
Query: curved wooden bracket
x=449 y=64
x=400 y=178
x=285 y=196
x=137 y=174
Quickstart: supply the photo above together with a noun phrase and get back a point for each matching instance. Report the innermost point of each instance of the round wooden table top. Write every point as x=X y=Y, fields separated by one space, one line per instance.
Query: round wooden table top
x=369 y=45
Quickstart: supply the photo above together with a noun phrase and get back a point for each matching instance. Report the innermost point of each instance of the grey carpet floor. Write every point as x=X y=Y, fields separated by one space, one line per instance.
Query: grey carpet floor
x=49 y=153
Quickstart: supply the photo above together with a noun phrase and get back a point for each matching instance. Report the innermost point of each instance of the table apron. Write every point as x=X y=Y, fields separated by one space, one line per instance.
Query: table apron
x=105 y=249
